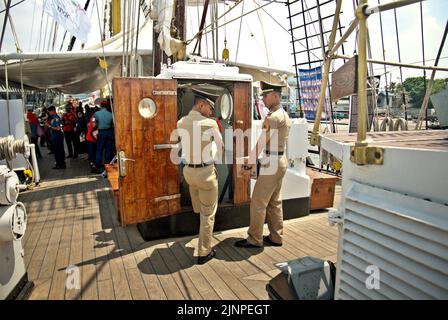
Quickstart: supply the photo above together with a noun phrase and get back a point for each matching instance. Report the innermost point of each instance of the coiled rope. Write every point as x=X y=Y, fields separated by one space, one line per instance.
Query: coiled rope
x=9 y=147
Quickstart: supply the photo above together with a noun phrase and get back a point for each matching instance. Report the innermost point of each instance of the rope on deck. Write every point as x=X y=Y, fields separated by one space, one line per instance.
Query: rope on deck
x=10 y=147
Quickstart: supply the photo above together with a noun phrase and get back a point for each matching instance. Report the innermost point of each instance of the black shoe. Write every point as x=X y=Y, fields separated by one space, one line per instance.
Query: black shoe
x=59 y=167
x=204 y=259
x=69 y=156
x=245 y=244
x=268 y=241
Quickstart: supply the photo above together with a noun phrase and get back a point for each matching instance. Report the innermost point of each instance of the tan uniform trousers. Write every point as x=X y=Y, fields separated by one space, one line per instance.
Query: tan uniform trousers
x=266 y=204
x=203 y=185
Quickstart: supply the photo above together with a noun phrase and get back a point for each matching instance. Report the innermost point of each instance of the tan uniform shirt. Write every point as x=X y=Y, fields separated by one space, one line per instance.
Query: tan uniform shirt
x=278 y=120
x=195 y=128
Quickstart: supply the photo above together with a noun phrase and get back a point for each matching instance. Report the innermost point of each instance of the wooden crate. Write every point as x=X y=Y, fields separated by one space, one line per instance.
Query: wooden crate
x=322 y=189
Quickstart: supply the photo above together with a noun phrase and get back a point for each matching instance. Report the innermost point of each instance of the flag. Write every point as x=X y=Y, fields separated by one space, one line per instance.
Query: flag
x=310 y=84
x=70 y=15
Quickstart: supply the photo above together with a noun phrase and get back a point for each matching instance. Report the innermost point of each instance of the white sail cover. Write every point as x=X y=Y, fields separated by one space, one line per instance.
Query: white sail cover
x=162 y=12
x=75 y=71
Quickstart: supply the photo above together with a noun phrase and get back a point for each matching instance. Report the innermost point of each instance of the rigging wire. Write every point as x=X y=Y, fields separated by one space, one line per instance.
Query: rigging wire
x=45 y=36
x=12 y=6
x=4 y=23
x=105 y=69
x=384 y=58
x=16 y=39
x=401 y=69
x=136 y=38
x=290 y=33
x=123 y=57
x=63 y=39
x=40 y=30
x=201 y=32
x=212 y=16
x=423 y=54
x=264 y=37
x=32 y=25
x=239 y=33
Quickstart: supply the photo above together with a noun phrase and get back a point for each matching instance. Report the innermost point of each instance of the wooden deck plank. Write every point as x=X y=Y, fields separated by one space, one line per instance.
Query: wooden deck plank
x=122 y=289
x=88 y=270
x=38 y=255
x=184 y=282
x=220 y=287
x=75 y=223
x=57 y=290
x=150 y=278
x=237 y=259
x=106 y=290
x=200 y=282
x=75 y=259
x=169 y=286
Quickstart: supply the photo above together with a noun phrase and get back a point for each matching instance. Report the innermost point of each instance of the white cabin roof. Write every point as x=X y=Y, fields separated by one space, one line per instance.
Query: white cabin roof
x=203 y=69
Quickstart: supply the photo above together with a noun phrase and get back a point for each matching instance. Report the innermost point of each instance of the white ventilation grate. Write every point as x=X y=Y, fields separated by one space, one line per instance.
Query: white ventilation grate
x=406 y=238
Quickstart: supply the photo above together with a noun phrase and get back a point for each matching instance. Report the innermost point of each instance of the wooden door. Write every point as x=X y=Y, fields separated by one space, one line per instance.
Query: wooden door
x=149 y=188
x=242 y=120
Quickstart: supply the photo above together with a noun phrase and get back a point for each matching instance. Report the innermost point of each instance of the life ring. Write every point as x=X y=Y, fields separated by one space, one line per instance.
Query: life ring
x=386 y=124
x=400 y=125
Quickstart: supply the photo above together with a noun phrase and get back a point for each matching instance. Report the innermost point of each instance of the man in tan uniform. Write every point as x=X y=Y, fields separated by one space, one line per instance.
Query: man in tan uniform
x=266 y=203
x=199 y=172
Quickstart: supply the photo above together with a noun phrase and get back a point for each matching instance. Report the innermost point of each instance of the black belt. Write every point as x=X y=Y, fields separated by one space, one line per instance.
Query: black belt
x=101 y=130
x=275 y=153
x=202 y=165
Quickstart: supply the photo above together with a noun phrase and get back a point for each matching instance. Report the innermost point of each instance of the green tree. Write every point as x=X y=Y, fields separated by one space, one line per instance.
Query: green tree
x=415 y=87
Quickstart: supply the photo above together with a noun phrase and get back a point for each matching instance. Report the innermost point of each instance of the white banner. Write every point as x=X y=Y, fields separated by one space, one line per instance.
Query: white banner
x=70 y=15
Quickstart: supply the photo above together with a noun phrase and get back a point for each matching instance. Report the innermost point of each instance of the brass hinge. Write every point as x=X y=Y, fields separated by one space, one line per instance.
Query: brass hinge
x=166 y=198
x=362 y=155
x=164 y=92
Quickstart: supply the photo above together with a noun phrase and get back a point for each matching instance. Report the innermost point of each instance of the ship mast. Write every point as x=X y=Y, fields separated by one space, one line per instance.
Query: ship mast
x=178 y=30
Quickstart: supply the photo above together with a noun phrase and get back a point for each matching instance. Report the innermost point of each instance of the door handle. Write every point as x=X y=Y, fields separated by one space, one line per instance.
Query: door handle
x=166 y=146
x=122 y=163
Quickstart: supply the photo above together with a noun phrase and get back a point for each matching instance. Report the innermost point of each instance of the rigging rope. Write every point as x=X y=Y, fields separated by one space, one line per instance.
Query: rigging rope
x=201 y=31
x=403 y=97
x=40 y=30
x=4 y=23
x=239 y=33
x=105 y=69
x=32 y=25
x=16 y=39
x=264 y=37
x=290 y=33
x=423 y=54
x=384 y=58
x=136 y=40
x=10 y=147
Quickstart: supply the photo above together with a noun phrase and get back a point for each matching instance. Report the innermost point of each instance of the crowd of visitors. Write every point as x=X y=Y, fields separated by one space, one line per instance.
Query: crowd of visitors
x=87 y=132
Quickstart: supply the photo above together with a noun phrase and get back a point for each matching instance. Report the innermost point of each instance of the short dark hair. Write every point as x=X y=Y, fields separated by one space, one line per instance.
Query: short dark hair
x=51 y=108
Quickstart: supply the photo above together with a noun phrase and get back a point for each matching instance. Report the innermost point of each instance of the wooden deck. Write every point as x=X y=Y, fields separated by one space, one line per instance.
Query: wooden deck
x=72 y=222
